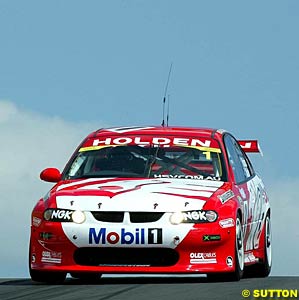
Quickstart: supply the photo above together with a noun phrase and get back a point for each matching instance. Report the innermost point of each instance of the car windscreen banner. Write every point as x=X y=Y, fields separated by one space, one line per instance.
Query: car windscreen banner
x=151 y=141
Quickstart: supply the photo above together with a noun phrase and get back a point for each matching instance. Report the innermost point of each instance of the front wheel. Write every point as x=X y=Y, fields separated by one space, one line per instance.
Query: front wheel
x=239 y=258
x=263 y=268
x=47 y=277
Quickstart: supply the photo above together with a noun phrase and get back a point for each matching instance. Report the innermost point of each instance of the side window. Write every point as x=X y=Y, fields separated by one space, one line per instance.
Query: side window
x=248 y=170
x=236 y=161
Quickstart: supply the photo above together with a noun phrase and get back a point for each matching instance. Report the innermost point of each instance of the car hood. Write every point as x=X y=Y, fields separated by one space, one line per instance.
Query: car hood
x=127 y=194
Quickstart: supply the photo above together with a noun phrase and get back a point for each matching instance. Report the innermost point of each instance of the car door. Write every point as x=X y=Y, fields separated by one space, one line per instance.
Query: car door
x=250 y=192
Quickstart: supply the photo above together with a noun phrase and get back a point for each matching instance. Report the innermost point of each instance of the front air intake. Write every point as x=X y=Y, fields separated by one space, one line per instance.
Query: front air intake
x=151 y=257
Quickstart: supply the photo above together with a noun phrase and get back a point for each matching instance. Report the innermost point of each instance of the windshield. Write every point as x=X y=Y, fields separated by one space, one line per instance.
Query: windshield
x=147 y=161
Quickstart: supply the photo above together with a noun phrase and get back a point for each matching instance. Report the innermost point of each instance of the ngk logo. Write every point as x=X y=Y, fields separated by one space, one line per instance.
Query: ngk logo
x=196 y=215
x=61 y=214
x=139 y=236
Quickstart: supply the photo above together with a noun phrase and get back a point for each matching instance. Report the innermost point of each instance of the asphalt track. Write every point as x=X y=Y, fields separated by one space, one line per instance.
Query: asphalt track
x=145 y=288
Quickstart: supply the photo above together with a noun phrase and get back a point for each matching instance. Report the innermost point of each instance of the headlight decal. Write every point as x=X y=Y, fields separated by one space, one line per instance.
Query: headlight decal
x=64 y=215
x=78 y=216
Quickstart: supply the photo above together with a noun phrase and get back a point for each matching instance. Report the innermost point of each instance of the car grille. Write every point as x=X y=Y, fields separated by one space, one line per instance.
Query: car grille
x=135 y=217
x=145 y=217
x=151 y=257
x=108 y=216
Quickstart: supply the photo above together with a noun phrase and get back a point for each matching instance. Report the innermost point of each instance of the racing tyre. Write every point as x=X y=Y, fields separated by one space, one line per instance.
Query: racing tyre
x=47 y=277
x=87 y=277
x=239 y=258
x=263 y=268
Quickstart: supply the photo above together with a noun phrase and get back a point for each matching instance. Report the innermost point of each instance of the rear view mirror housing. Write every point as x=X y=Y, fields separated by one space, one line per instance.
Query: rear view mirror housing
x=50 y=175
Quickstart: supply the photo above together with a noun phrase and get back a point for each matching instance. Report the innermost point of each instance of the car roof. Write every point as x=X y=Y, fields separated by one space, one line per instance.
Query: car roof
x=157 y=130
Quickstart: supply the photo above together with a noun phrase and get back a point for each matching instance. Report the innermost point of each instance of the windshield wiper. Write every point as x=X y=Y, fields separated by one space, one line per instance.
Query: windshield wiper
x=151 y=160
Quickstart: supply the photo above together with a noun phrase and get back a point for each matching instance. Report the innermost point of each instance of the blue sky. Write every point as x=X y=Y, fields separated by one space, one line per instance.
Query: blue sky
x=68 y=67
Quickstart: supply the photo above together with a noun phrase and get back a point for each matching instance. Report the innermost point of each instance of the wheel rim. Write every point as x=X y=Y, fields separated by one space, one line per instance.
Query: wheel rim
x=268 y=241
x=240 y=244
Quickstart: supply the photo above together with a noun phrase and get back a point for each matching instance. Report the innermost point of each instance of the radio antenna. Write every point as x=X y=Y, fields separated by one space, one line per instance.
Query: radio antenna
x=164 y=99
x=167 y=116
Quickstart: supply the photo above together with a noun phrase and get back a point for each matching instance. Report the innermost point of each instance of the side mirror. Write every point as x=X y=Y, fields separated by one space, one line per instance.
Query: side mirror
x=50 y=175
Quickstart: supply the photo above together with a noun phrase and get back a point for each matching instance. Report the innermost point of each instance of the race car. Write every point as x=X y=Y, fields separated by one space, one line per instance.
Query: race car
x=154 y=200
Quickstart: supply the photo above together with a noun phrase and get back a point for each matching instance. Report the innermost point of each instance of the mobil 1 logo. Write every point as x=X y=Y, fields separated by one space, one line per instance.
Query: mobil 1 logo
x=155 y=236
x=124 y=236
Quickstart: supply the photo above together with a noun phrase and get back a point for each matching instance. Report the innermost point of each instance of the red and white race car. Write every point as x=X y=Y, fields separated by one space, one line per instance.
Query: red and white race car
x=153 y=200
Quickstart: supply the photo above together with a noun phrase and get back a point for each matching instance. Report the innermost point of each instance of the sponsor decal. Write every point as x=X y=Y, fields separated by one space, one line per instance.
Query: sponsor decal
x=203 y=258
x=36 y=221
x=198 y=177
x=199 y=216
x=61 y=214
x=211 y=237
x=194 y=216
x=152 y=141
x=51 y=257
x=147 y=140
x=229 y=261
x=46 y=235
x=226 y=223
x=226 y=196
x=140 y=236
x=58 y=215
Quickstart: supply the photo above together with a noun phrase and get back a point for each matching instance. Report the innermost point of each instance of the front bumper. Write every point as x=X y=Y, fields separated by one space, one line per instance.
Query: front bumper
x=205 y=248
